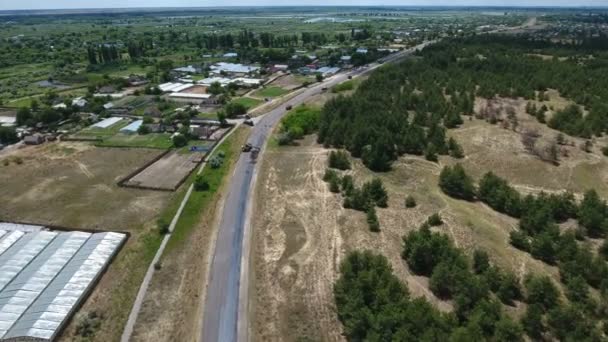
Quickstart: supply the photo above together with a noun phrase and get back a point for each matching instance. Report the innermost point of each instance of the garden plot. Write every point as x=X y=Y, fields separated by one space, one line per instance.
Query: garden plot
x=168 y=172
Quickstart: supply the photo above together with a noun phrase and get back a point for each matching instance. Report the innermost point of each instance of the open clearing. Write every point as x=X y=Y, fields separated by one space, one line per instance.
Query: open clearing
x=270 y=92
x=74 y=185
x=288 y=82
x=167 y=172
x=301 y=231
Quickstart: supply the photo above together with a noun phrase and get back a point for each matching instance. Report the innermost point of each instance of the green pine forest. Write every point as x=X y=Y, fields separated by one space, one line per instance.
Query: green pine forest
x=406 y=109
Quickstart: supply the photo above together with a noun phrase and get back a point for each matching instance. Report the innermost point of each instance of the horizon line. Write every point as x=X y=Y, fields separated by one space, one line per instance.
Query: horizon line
x=309 y=6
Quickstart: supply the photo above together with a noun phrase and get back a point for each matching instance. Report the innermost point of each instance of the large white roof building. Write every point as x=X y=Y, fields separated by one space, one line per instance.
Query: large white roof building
x=45 y=275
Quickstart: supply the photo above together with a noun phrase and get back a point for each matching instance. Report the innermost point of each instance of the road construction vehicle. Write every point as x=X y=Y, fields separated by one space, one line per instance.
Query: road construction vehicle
x=255 y=151
x=246 y=148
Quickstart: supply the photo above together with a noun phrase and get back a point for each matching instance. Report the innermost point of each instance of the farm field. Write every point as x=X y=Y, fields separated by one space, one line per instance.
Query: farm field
x=167 y=172
x=74 y=185
x=152 y=140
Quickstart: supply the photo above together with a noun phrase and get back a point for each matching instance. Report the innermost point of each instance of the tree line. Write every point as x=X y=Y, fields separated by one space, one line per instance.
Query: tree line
x=399 y=109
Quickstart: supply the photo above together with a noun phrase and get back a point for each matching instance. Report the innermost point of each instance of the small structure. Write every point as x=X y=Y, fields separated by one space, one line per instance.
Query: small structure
x=171 y=87
x=248 y=82
x=231 y=55
x=132 y=127
x=136 y=80
x=210 y=80
x=105 y=123
x=154 y=127
x=232 y=68
x=153 y=111
x=60 y=105
x=108 y=105
x=107 y=90
x=327 y=71
x=280 y=67
x=361 y=50
x=186 y=70
x=79 y=102
x=35 y=139
x=346 y=59
x=8 y=120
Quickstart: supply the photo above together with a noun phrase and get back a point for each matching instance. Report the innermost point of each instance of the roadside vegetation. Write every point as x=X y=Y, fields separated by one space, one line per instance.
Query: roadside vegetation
x=300 y=121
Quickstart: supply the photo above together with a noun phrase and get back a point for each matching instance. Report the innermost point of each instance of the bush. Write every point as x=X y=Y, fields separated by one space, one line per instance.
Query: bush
x=334 y=184
x=455 y=150
x=372 y=219
x=284 y=139
x=163 y=227
x=143 y=130
x=509 y=289
x=410 y=202
x=344 y=86
x=348 y=185
x=8 y=135
x=339 y=160
x=233 y=109
x=434 y=220
x=604 y=250
x=200 y=184
x=375 y=190
x=456 y=183
x=216 y=162
x=540 y=290
x=180 y=140
x=88 y=324
x=430 y=154
x=519 y=240
x=329 y=175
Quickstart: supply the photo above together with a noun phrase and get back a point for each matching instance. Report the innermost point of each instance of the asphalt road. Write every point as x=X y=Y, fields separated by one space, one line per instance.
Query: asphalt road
x=222 y=302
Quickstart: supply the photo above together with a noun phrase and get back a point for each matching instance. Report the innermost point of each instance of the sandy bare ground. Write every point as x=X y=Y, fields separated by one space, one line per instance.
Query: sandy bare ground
x=170 y=309
x=301 y=231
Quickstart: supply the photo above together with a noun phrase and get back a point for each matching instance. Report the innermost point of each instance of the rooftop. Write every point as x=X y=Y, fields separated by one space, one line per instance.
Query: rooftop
x=45 y=275
x=232 y=67
x=132 y=127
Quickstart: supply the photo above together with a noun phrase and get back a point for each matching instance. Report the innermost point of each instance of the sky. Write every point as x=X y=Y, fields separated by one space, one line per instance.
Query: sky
x=67 y=4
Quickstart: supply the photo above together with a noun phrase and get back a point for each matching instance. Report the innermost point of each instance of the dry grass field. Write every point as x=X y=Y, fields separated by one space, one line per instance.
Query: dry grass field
x=301 y=231
x=74 y=185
